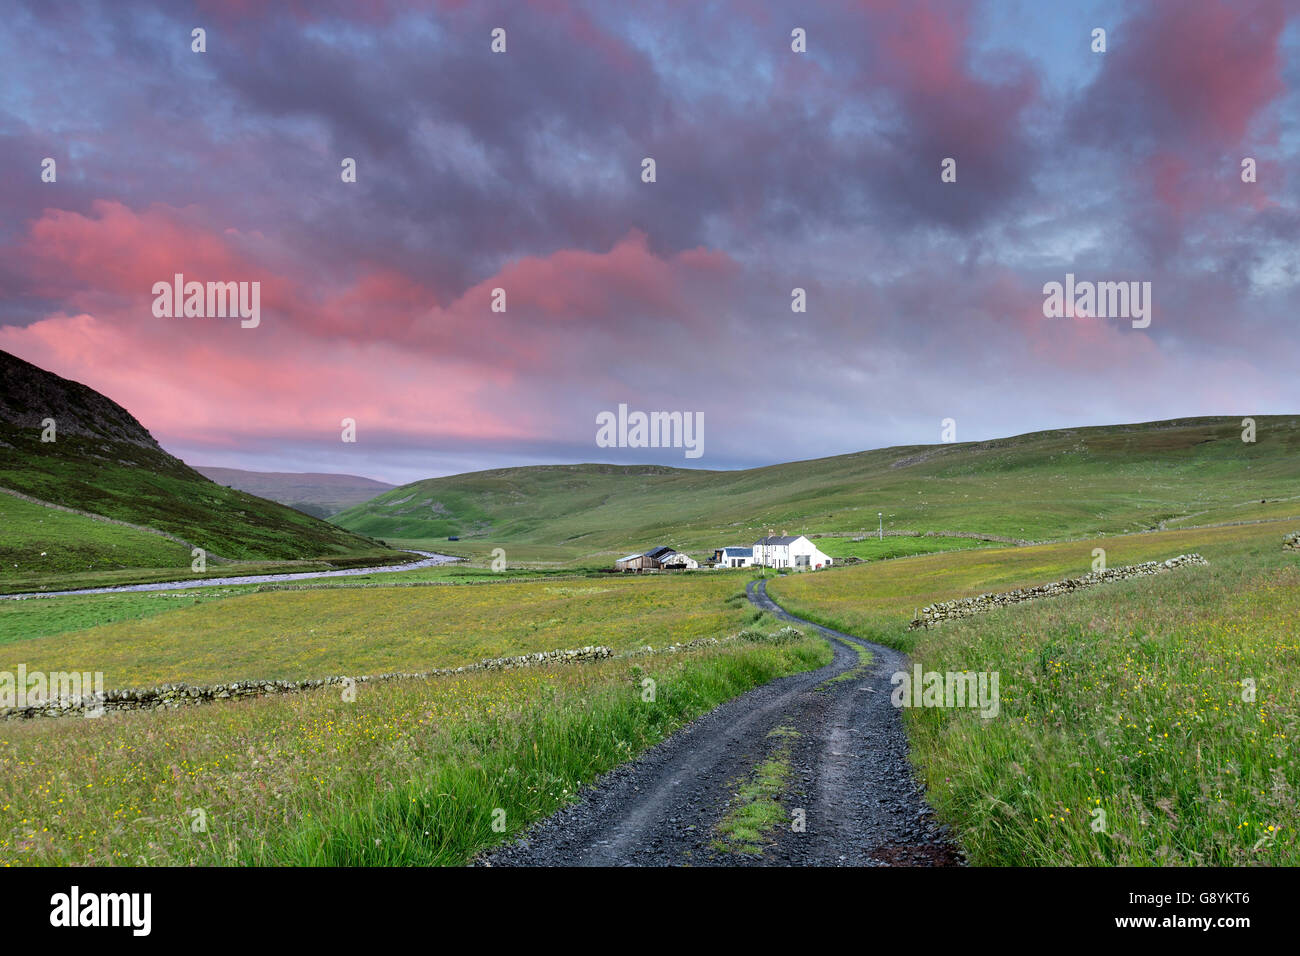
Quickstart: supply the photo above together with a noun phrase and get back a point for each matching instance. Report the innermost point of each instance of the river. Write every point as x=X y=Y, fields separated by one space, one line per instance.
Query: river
x=429 y=560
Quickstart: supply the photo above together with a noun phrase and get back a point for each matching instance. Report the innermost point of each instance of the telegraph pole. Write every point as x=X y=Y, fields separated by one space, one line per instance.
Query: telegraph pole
x=881 y=516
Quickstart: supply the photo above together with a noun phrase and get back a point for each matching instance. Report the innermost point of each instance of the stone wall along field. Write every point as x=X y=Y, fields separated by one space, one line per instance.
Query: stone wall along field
x=169 y=696
x=964 y=607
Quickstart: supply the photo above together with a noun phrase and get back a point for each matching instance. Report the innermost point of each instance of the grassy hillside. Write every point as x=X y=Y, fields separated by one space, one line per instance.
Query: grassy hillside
x=40 y=541
x=104 y=462
x=1041 y=486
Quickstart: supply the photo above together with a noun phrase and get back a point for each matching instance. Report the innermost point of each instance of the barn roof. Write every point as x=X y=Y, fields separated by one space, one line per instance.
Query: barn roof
x=655 y=553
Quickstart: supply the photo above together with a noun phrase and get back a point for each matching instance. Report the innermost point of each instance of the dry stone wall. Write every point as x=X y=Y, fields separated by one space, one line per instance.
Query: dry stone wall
x=904 y=533
x=964 y=607
x=170 y=696
x=167 y=696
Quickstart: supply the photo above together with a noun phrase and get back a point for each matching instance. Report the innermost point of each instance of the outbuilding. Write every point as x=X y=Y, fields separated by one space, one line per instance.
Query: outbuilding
x=733 y=557
x=676 y=561
x=656 y=559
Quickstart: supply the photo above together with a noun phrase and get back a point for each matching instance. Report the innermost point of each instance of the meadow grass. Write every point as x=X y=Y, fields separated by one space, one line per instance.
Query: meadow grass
x=42 y=617
x=880 y=597
x=1244 y=511
x=28 y=618
x=1122 y=707
x=411 y=773
x=353 y=631
x=875 y=549
x=1125 y=699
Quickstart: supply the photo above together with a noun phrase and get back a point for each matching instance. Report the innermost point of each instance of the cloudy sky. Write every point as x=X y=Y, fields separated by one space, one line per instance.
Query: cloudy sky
x=774 y=170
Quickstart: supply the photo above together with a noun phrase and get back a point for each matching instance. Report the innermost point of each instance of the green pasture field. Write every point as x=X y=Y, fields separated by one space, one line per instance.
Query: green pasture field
x=875 y=549
x=319 y=632
x=411 y=773
x=1125 y=699
x=1125 y=734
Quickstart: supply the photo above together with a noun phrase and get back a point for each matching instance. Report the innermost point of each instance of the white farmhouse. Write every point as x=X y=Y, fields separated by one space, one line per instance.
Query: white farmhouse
x=789 y=552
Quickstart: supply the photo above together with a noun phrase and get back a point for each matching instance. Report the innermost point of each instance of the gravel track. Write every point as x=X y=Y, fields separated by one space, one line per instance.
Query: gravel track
x=849 y=773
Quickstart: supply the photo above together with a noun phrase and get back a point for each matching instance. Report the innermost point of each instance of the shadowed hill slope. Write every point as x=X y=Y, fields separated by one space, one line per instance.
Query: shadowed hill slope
x=105 y=462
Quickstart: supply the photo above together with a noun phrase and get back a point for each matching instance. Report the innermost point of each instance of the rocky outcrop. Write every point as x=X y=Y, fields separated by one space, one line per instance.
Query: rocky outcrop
x=1292 y=541
x=964 y=607
x=29 y=395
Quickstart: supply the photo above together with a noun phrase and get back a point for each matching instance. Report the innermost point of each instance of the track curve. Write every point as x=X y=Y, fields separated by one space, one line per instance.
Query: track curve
x=849 y=773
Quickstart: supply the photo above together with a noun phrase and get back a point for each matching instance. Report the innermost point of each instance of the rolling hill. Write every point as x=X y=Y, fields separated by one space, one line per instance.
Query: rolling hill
x=103 y=495
x=1039 y=486
x=312 y=493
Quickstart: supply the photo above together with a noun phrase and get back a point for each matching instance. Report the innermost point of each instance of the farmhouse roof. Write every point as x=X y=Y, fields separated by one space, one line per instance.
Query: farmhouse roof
x=738 y=552
x=777 y=539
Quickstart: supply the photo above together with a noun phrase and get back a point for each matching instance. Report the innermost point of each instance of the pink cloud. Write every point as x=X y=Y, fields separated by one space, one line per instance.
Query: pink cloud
x=270 y=387
x=119 y=253
x=377 y=347
x=1206 y=69
x=579 y=285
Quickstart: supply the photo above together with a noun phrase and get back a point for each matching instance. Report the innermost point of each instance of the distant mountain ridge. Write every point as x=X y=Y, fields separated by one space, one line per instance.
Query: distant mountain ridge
x=315 y=493
x=1038 y=486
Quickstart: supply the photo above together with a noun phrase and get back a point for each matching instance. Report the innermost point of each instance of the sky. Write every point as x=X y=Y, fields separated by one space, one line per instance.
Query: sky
x=523 y=170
